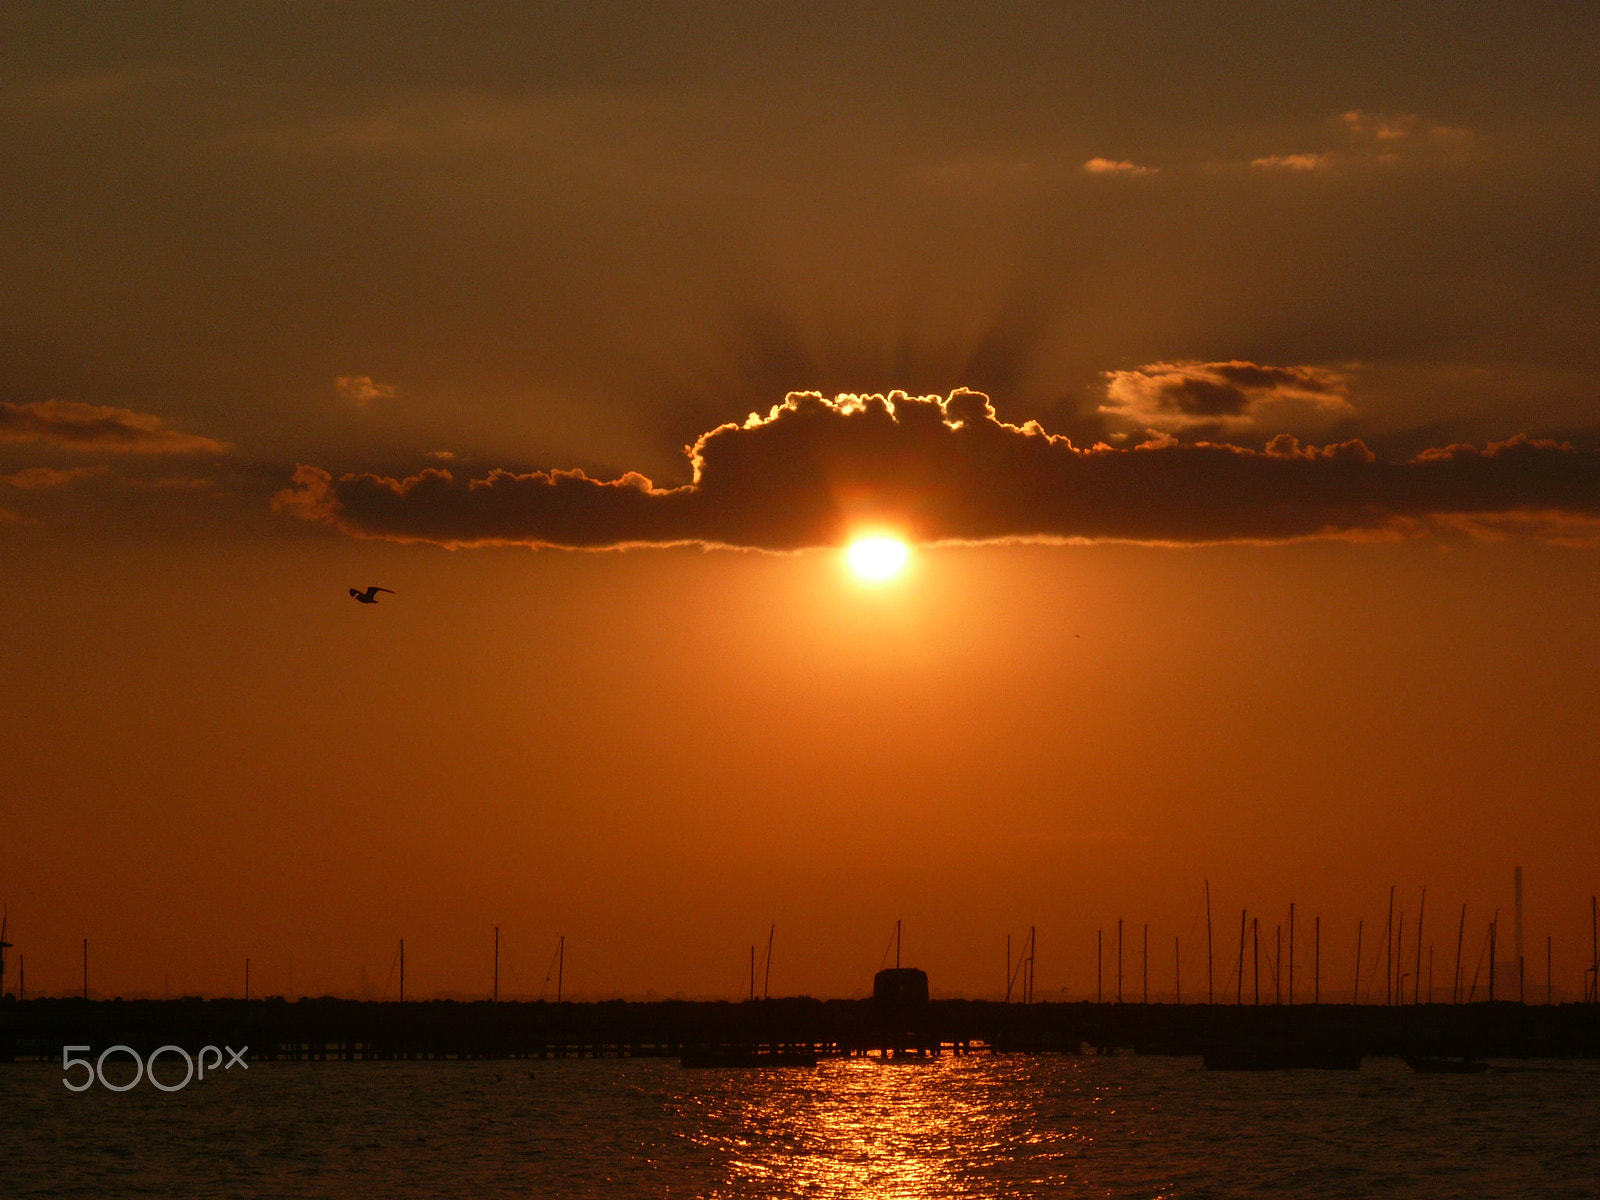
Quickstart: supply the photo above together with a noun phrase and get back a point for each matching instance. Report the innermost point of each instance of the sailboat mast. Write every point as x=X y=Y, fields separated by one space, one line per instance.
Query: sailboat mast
x=1255 y=951
x=1388 y=952
x=1239 y=995
x=1119 y=960
x=1033 y=951
x=1422 y=906
x=766 y=981
x=1492 y=925
x=1355 y=997
x=1399 y=975
x=1277 y=959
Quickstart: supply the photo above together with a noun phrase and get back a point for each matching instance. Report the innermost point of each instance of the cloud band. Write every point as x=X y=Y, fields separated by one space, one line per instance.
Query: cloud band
x=74 y=426
x=813 y=472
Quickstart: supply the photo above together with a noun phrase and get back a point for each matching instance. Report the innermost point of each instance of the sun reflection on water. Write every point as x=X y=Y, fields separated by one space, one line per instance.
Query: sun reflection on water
x=886 y=1130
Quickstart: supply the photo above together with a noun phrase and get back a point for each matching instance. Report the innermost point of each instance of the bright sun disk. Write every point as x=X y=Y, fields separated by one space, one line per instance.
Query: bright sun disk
x=877 y=558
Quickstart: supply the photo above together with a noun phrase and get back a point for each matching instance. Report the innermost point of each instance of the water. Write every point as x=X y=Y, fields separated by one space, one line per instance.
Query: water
x=974 y=1127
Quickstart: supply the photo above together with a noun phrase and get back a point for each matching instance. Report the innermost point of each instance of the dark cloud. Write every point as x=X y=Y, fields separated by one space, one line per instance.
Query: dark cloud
x=814 y=472
x=1183 y=394
x=75 y=426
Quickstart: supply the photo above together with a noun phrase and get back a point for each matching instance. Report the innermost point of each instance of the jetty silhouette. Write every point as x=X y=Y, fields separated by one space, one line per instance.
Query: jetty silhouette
x=901 y=1020
x=760 y=1032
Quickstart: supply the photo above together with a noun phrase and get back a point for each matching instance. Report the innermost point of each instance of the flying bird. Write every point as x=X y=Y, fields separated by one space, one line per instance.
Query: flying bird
x=370 y=595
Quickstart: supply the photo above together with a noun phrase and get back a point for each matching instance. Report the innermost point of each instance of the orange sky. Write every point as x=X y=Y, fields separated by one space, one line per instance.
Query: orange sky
x=1250 y=278
x=217 y=755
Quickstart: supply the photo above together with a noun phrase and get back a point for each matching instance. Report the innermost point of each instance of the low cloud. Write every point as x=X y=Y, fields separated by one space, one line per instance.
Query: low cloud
x=34 y=479
x=1293 y=162
x=1107 y=166
x=1359 y=140
x=361 y=390
x=1379 y=127
x=73 y=426
x=1175 y=396
x=814 y=471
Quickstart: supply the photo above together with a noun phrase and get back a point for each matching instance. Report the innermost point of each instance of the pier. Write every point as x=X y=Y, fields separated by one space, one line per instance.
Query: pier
x=329 y=1029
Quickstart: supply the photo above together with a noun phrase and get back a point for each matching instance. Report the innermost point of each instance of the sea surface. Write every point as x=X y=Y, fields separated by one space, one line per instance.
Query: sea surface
x=977 y=1126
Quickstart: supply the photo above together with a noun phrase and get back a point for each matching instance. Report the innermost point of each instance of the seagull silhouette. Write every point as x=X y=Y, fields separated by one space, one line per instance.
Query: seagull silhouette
x=370 y=595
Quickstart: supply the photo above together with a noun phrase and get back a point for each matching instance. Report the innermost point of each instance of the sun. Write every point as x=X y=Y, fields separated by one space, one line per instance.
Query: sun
x=877 y=558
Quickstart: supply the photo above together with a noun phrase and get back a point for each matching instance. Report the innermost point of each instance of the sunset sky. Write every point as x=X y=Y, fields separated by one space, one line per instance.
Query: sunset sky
x=1229 y=370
